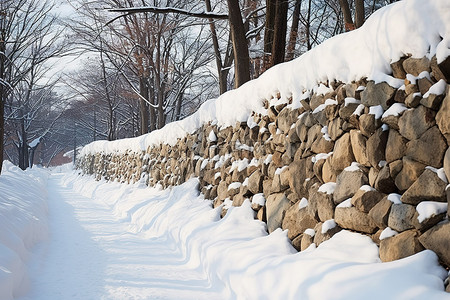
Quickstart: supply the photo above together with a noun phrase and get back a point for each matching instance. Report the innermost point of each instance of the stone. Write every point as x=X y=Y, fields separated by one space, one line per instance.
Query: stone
x=395 y=146
x=286 y=118
x=380 y=212
x=377 y=94
x=276 y=207
x=391 y=121
x=323 y=203
x=384 y=182
x=279 y=185
x=373 y=174
x=447 y=163
x=350 y=89
x=395 y=167
x=432 y=101
x=438 y=240
x=424 y=84
x=413 y=100
x=443 y=116
x=297 y=221
x=429 y=222
x=261 y=215
x=353 y=219
x=307 y=240
x=298 y=172
x=411 y=170
x=401 y=217
x=342 y=154
x=400 y=246
x=321 y=145
x=415 y=66
x=238 y=199
x=318 y=166
x=400 y=96
x=428 y=187
x=346 y=111
x=335 y=128
x=413 y=123
x=297 y=242
x=255 y=182
x=368 y=124
x=320 y=237
x=444 y=67
x=397 y=69
x=347 y=184
x=376 y=147
x=329 y=174
x=365 y=200
x=222 y=190
x=358 y=142
x=419 y=149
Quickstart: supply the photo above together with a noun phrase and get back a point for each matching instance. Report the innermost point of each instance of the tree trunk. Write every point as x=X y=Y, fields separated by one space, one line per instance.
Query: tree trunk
x=143 y=106
x=347 y=15
x=240 y=47
x=219 y=64
x=279 y=36
x=294 y=31
x=269 y=32
x=359 y=13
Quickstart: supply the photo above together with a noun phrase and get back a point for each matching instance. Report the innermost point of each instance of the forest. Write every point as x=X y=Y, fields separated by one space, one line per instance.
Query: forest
x=72 y=72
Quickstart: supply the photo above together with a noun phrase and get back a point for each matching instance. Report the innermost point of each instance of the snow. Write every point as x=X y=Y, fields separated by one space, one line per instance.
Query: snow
x=345 y=204
x=234 y=185
x=239 y=165
x=278 y=171
x=259 y=199
x=367 y=188
x=376 y=110
x=413 y=27
x=321 y=107
x=395 y=110
x=212 y=136
x=327 y=188
x=359 y=110
x=320 y=156
x=387 y=233
x=354 y=167
x=350 y=100
x=427 y=209
x=310 y=232
x=35 y=142
x=324 y=131
x=302 y=203
x=440 y=173
x=23 y=223
x=328 y=225
x=394 y=198
x=268 y=159
x=129 y=241
x=437 y=89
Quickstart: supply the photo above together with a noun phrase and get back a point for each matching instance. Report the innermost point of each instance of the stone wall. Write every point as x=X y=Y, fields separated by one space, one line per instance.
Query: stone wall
x=361 y=156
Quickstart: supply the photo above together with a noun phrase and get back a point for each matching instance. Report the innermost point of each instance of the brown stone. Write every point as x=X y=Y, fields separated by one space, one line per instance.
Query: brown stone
x=380 y=212
x=286 y=118
x=438 y=240
x=323 y=203
x=299 y=171
x=320 y=237
x=368 y=124
x=395 y=147
x=415 y=66
x=447 y=163
x=432 y=101
x=376 y=147
x=353 y=219
x=397 y=69
x=413 y=100
x=276 y=207
x=297 y=221
x=358 y=141
x=411 y=170
x=400 y=246
x=420 y=149
x=401 y=217
x=329 y=174
x=365 y=200
x=443 y=116
x=347 y=184
x=255 y=182
x=342 y=154
x=307 y=240
x=321 y=145
x=377 y=94
x=424 y=85
x=384 y=182
x=335 y=128
x=413 y=123
x=428 y=187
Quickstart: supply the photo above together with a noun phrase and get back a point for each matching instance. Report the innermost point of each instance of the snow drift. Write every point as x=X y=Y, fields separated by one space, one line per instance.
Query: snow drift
x=23 y=223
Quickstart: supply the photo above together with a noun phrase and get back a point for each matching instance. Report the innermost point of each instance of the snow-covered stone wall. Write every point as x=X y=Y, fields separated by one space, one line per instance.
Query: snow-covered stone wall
x=368 y=151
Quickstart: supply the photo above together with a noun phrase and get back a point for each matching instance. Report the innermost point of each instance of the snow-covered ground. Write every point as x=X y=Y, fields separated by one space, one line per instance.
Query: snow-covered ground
x=118 y=241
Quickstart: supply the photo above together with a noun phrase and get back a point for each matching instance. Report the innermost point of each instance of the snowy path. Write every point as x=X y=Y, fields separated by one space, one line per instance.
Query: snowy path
x=92 y=255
